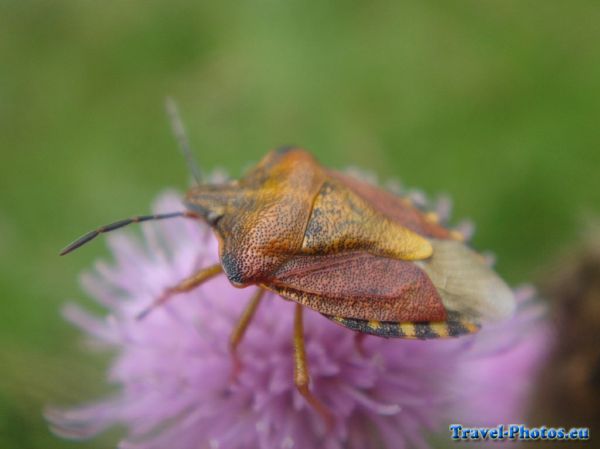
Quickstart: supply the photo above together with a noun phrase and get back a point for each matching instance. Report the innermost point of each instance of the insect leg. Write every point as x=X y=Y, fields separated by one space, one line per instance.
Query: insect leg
x=359 y=338
x=301 y=376
x=240 y=328
x=242 y=325
x=185 y=285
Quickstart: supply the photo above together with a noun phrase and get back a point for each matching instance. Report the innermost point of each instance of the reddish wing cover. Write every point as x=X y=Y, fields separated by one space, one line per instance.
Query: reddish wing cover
x=360 y=285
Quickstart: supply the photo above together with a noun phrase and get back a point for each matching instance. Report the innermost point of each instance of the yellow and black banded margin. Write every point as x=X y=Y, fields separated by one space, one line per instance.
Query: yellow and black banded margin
x=454 y=327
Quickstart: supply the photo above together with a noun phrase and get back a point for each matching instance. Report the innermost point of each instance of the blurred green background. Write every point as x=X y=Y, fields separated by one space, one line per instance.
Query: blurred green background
x=496 y=103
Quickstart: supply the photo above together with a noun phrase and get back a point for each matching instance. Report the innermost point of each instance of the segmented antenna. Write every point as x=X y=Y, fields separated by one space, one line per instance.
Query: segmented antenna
x=182 y=139
x=119 y=224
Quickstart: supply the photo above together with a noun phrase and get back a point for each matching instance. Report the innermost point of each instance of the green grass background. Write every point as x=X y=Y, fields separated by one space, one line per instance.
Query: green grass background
x=496 y=103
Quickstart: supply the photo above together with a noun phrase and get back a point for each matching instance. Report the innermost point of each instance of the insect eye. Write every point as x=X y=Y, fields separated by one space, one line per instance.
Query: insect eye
x=213 y=218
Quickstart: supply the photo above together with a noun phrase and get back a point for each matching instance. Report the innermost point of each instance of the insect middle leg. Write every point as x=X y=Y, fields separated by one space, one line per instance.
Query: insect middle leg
x=185 y=285
x=240 y=329
x=359 y=338
x=301 y=375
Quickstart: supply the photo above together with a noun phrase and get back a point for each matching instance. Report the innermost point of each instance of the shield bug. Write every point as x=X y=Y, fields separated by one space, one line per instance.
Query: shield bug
x=363 y=257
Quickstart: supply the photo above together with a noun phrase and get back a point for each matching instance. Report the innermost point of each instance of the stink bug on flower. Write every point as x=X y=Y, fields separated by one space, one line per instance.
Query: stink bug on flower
x=363 y=257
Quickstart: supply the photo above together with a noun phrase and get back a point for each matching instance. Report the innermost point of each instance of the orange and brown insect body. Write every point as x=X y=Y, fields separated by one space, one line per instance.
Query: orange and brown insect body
x=362 y=256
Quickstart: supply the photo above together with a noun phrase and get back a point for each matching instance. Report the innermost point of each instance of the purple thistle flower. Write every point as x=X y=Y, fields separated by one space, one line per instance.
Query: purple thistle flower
x=173 y=369
x=503 y=363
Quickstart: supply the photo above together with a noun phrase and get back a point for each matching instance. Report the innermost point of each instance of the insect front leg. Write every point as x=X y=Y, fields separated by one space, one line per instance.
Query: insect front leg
x=185 y=285
x=301 y=375
x=240 y=329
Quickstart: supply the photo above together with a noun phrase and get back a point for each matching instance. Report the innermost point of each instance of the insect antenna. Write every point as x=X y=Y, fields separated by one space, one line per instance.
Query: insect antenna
x=119 y=224
x=182 y=139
